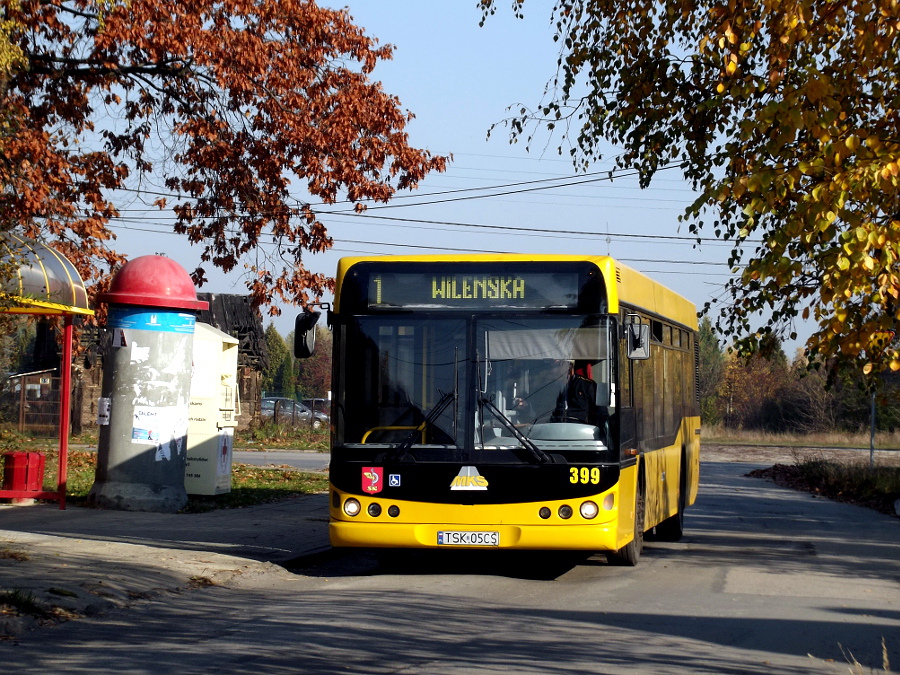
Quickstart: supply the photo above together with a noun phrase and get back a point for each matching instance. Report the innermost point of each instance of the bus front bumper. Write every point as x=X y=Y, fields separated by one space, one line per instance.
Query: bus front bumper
x=593 y=537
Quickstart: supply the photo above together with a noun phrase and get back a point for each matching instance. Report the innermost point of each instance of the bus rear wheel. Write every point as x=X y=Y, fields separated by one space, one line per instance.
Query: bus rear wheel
x=629 y=554
x=672 y=528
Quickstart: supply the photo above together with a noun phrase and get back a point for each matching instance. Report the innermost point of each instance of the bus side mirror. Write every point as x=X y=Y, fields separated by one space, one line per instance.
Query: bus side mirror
x=638 y=335
x=305 y=334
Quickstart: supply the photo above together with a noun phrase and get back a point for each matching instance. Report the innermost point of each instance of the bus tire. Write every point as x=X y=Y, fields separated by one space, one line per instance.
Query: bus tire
x=628 y=555
x=672 y=528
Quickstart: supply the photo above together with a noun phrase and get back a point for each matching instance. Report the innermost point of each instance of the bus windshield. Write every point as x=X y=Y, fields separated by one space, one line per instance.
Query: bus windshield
x=432 y=387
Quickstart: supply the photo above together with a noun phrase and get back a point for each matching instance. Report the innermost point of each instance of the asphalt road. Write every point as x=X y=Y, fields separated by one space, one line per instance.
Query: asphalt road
x=308 y=461
x=766 y=580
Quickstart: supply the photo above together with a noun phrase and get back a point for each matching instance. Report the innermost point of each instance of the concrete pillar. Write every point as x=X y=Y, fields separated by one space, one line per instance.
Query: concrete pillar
x=145 y=396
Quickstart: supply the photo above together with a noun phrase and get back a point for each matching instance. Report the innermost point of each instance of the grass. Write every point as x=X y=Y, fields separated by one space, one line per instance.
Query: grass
x=855 y=482
x=279 y=436
x=20 y=602
x=883 y=440
x=250 y=485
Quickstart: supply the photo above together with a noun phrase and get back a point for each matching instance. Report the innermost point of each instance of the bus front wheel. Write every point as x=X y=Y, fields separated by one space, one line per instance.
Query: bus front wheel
x=629 y=554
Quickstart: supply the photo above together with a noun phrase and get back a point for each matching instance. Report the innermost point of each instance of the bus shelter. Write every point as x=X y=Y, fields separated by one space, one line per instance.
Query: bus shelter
x=40 y=281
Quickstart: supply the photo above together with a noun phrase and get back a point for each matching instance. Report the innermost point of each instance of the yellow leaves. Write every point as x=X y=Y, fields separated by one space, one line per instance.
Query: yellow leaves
x=817 y=88
x=11 y=55
x=730 y=35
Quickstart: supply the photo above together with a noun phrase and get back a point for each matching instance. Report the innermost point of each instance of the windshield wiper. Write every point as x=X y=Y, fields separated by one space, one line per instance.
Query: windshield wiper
x=538 y=454
x=405 y=446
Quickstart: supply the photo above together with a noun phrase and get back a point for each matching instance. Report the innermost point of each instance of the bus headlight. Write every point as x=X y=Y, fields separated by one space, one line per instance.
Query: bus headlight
x=374 y=509
x=609 y=502
x=589 y=510
x=352 y=507
x=565 y=512
x=544 y=512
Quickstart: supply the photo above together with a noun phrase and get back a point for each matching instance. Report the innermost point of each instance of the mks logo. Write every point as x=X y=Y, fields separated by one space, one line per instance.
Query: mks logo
x=469 y=479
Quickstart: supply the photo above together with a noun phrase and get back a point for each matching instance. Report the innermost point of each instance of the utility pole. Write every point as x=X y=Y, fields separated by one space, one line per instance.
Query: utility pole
x=872 y=436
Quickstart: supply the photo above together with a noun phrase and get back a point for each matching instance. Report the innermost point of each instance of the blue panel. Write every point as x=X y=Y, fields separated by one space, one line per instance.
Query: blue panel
x=142 y=318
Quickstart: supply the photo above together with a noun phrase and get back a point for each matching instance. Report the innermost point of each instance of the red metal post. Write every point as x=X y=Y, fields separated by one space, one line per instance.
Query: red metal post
x=65 y=403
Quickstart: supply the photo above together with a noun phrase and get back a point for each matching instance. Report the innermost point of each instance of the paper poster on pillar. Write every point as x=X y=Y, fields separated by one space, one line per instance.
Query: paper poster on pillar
x=164 y=427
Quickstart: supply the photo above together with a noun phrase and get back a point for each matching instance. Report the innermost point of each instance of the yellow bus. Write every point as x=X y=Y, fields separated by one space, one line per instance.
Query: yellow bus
x=509 y=402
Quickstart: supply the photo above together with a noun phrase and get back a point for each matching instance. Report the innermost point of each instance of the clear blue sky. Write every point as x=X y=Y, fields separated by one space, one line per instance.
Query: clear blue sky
x=459 y=79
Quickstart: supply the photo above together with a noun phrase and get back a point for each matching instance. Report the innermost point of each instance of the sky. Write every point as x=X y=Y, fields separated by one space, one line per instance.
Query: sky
x=459 y=80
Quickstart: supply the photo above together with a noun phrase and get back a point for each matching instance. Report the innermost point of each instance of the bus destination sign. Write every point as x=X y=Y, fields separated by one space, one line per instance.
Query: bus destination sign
x=467 y=290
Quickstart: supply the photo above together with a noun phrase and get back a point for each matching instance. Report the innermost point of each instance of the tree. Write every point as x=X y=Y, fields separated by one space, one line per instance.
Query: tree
x=752 y=394
x=234 y=107
x=278 y=378
x=17 y=336
x=814 y=406
x=712 y=369
x=784 y=116
x=314 y=373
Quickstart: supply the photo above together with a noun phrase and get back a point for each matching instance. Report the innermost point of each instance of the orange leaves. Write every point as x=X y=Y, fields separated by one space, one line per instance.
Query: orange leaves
x=242 y=102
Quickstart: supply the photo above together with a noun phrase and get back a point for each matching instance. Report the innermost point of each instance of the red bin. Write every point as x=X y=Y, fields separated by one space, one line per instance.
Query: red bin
x=23 y=471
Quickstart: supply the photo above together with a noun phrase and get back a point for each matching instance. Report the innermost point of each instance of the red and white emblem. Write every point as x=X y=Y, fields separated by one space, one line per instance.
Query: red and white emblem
x=372 y=479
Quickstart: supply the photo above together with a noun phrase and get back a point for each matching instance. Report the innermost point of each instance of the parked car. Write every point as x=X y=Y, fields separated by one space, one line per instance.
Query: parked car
x=284 y=410
x=322 y=405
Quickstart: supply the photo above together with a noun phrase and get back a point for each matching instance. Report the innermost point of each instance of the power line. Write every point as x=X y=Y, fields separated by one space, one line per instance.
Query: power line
x=341 y=241
x=553 y=231
x=500 y=229
x=527 y=186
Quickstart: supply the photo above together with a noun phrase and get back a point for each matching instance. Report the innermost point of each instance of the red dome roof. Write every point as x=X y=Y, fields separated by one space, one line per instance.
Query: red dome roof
x=153 y=281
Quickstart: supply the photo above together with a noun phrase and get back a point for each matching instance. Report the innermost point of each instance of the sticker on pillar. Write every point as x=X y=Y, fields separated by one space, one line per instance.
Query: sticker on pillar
x=119 y=338
x=103 y=411
x=163 y=427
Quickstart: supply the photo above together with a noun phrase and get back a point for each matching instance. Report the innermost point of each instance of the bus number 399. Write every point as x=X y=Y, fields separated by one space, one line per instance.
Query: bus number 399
x=584 y=475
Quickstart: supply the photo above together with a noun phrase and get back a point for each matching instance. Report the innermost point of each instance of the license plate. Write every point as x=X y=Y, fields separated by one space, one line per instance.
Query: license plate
x=465 y=538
